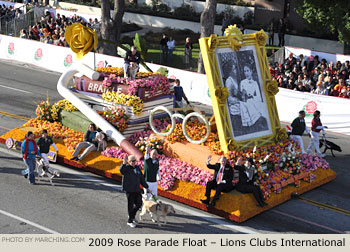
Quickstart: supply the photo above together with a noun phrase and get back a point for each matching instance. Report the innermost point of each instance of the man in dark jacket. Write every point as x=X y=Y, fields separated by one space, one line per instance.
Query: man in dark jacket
x=298 y=127
x=90 y=143
x=222 y=180
x=151 y=172
x=246 y=183
x=44 y=143
x=131 y=63
x=132 y=179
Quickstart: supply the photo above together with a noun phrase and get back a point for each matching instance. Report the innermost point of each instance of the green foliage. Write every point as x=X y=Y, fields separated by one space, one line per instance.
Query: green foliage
x=185 y=11
x=163 y=71
x=333 y=16
x=141 y=45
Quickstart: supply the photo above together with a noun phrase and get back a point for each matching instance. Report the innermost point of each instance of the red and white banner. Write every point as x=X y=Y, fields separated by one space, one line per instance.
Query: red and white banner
x=335 y=112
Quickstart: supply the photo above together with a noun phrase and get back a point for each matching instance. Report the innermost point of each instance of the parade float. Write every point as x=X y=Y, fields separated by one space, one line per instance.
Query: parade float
x=137 y=113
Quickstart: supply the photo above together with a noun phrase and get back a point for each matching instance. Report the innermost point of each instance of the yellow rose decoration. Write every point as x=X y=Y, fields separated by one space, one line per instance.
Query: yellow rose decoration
x=81 y=39
x=213 y=42
x=232 y=145
x=222 y=94
x=282 y=135
x=261 y=37
x=272 y=87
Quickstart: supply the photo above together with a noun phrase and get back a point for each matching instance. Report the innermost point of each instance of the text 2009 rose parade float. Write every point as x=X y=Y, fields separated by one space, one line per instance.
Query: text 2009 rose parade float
x=120 y=107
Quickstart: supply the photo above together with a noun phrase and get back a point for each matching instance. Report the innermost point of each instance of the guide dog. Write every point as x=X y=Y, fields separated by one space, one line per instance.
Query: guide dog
x=44 y=170
x=329 y=145
x=101 y=139
x=159 y=209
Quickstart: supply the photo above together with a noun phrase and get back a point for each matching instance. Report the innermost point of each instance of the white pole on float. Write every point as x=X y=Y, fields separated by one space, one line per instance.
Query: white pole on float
x=105 y=126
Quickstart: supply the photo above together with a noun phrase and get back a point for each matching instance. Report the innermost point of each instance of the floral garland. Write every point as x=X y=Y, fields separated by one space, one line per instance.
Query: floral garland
x=127 y=100
x=116 y=116
x=61 y=105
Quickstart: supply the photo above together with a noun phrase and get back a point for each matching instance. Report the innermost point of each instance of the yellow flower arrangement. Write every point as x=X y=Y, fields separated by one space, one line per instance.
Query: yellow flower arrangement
x=124 y=99
x=61 y=105
x=111 y=70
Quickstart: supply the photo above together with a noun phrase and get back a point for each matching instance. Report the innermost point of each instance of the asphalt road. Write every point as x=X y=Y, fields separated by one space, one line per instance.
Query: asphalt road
x=81 y=202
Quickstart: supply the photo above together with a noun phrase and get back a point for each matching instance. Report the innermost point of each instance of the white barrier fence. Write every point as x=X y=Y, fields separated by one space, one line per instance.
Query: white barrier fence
x=335 y=112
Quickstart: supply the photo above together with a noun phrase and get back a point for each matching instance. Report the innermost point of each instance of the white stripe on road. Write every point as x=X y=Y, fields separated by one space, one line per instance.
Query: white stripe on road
x=28 y=222
x=20 y=90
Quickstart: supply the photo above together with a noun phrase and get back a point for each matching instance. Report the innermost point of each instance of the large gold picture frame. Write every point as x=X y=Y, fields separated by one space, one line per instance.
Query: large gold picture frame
x=241 y=90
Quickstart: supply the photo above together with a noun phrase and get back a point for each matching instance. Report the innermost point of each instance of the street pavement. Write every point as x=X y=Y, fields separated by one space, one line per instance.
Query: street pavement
x=81 y=202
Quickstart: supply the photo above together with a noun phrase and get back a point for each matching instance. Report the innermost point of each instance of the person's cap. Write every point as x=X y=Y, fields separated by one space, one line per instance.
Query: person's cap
x=44 y=131
x=173 y=77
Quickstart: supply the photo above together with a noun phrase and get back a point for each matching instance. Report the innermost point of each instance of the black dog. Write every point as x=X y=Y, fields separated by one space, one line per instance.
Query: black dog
x=329 y=145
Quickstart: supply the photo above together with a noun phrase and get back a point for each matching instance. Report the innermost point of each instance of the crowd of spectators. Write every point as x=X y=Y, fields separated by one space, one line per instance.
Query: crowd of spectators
x=312 y=75
x=51 y=29
x=9 y=13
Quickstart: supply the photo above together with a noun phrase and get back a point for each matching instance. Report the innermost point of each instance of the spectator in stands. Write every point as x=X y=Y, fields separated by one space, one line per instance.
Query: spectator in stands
x=303 y=61
x=291 y=60
x=299 y=79
x=306 y=80
x=291 y=84
x=344 y=93
x=321 y=89
x=131 y=63
x=338 y=88
x=23 y=34
x=315 y=74
x=300 y=87
x=346 y=66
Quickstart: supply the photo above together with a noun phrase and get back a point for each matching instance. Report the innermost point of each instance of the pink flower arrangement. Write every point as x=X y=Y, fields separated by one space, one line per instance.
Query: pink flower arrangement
x=170 y=169
x=154 y=84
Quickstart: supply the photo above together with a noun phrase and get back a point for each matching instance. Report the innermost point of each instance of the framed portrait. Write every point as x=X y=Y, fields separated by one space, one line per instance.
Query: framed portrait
x=241 y=89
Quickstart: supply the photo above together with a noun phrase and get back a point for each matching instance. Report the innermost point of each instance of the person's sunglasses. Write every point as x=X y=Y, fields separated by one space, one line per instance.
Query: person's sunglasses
x=132 y=160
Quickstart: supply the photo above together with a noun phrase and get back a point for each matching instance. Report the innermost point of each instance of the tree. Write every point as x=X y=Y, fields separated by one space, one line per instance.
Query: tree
x=111 y=26
x=207 y=26
x=331 y=15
